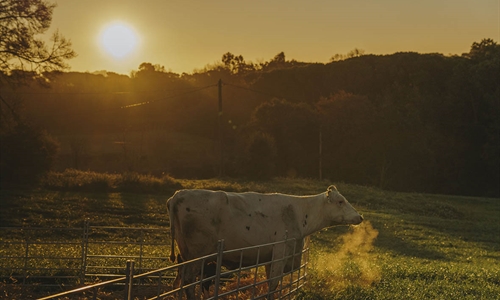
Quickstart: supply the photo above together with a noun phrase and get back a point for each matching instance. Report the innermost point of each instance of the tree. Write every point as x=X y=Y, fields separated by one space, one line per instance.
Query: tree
x=151 y=76
x=147 y=68
x=236 y=64
x=294 y=128
x=483 y=75
x=26 y=151
x=260 y=153
x=20 y=23
x=486 y=49
x=347 y=122
x=353 y=53
x=278 y=62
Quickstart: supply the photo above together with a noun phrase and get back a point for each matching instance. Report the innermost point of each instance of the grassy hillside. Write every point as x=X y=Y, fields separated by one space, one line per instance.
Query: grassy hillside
x=412 y=246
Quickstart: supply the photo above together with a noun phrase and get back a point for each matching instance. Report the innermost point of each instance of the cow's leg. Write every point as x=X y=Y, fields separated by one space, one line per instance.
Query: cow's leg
x=268 y=270
x=209 y=270
x=181 y=280
x=188 y=277
x=185 y=275
x=274 y=270
x=274 y=277
x=177 y=280
x=180 y=270
x=278 y=265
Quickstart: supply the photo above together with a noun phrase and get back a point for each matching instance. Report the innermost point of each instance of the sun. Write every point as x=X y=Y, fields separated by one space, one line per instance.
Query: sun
x=119 y=39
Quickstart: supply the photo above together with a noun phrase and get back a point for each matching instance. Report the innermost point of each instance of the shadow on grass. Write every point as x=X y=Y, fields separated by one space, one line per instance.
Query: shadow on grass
x=387 y=241
x=405 y=247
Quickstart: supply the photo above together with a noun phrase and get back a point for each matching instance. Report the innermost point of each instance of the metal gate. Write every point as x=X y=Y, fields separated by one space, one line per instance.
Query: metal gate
x=31 y=255
x=246 y=281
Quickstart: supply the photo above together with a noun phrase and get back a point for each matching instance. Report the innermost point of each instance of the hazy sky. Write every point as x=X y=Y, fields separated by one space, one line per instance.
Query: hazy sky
x=185 y=35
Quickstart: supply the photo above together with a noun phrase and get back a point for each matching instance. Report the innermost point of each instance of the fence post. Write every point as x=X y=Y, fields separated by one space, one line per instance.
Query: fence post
x=141 y=250
x=85 y=242
x=220 y=252
x=129 y=274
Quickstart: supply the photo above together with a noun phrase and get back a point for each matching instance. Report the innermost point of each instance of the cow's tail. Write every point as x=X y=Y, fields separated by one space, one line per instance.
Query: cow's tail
x=172 y=232
x=172 y=249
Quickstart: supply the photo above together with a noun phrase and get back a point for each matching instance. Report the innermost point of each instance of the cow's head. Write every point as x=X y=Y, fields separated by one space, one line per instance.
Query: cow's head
x=340 y=211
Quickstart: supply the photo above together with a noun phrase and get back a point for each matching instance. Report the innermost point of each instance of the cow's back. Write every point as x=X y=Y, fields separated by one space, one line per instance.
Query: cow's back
x=202 y=217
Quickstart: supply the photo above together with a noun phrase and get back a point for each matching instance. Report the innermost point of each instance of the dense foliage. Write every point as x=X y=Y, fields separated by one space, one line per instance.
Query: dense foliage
x=20 y=46
x=26 y=155
x=406 y=121
x=26 y=152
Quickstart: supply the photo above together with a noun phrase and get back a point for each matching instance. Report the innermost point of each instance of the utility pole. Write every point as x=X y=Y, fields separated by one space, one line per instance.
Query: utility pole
x=221 y=138
x=320 y=153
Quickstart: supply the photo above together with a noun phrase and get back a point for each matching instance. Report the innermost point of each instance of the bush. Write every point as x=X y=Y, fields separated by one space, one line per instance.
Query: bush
x=75 y=180
x=131 y=182
x=137 y=183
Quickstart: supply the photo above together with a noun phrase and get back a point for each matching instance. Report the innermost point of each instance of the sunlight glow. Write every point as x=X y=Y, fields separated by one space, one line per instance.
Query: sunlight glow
x=118 y=39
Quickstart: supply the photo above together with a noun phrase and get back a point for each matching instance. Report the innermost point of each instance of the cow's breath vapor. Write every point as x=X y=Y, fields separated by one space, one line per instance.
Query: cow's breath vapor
x=354 y=263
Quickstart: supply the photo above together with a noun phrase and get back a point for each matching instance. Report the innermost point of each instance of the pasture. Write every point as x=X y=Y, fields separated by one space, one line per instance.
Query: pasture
x=412 y=246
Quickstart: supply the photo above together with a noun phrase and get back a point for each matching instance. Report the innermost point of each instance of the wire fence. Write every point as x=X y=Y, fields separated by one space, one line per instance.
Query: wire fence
x=77 y=257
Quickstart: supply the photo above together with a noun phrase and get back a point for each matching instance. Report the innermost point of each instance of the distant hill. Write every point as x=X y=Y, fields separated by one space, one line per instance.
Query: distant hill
x=406 y=121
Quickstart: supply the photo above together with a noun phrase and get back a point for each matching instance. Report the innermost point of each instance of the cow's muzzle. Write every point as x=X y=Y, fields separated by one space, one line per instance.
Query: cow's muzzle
x=360 y=219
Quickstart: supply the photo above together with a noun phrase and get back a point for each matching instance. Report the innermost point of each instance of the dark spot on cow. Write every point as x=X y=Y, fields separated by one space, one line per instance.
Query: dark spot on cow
x=290 y=219
x=304 y=223
x=188 y=209
x=249 y=215
x=247 y=227
x=176 y=202
x=260 y=214
x=288 y=214
x=260 y=199
x=275 y=233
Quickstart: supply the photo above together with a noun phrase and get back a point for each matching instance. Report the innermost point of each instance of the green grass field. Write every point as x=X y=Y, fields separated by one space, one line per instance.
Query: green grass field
x=412 y=246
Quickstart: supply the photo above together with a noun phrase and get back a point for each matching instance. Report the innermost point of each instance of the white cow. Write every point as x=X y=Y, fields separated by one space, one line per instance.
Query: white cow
x=200 y=218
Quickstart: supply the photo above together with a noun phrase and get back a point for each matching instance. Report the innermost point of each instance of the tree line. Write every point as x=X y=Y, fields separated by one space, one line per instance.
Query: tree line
x=406 y=121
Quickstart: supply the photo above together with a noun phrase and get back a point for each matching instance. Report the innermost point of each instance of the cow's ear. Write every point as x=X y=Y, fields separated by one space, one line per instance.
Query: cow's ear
x=332 y=188
x=329 y=190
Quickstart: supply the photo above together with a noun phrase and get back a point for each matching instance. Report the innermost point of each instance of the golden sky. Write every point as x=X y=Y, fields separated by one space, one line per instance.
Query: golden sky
x=187 y=35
